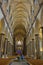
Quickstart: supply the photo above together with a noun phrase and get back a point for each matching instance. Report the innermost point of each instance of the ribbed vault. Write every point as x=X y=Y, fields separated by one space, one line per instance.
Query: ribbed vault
x=21 y=15
x=20 y=23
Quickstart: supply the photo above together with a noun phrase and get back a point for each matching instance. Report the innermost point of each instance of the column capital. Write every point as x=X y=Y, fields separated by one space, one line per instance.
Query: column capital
x=6 y=38
x=2 y=33
x=36 y=34
x=32 y=38
x=8 y=41
x=41 y=27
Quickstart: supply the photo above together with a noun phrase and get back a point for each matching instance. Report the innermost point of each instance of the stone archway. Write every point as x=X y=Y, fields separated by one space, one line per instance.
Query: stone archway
x=20 y=35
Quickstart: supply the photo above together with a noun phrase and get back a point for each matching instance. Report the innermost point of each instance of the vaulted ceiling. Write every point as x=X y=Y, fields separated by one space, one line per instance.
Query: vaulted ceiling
x=20 y=15
x=20 y=12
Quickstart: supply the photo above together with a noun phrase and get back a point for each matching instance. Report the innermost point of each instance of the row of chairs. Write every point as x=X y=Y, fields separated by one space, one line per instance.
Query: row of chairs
x=5 y=61
x=35 y=61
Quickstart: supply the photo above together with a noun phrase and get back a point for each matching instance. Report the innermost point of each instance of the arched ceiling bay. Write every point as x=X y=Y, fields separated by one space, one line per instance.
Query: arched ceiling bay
x=20 y=29
x=20 y=14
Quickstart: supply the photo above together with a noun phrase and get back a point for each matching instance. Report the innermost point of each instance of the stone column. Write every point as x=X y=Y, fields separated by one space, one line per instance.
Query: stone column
x=14 y=47
x=42 y=28
x=37 y=50
x=33 y=48
x=42 y=41
x=30 y=49
x=24 y=47
x=10 y=49
x=5 y=51
x=27 y=50
x=1 y=43
x=7 y=48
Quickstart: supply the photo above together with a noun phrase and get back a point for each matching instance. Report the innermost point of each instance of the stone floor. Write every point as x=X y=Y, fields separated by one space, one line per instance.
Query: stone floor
x=18 y=63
